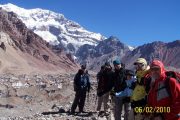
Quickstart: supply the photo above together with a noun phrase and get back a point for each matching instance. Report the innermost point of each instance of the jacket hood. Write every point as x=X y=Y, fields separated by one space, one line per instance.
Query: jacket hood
x=157 y=63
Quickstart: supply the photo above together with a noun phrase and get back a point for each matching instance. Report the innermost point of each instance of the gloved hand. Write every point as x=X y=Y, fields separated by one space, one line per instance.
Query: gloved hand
x=119 y=94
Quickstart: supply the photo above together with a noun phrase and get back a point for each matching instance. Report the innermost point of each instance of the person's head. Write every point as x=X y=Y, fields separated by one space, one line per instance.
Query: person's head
x=107 y=66
x=140 y=64
x=83 y=67
x=157 y=69
x=129 y=74
x=117 y=64
x=102 y=67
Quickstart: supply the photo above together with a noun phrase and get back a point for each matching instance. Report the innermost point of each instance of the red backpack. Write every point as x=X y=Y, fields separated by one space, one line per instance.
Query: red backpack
x=169 y=74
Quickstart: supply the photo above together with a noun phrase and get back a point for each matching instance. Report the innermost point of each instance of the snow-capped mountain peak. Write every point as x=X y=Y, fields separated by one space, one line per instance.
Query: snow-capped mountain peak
x=54 y=27
x=131 y=48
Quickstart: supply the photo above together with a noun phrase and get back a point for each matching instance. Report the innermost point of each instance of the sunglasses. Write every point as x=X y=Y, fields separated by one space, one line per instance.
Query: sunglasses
x=138 y=64
x=155 y=69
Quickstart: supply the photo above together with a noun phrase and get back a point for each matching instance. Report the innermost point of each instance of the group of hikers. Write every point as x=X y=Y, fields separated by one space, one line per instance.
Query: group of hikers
x=148 y=93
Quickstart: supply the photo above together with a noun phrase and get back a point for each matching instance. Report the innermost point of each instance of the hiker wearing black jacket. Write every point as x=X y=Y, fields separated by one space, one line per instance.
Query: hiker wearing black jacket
x=81 y=87
x=119 y=86
x=105 y=84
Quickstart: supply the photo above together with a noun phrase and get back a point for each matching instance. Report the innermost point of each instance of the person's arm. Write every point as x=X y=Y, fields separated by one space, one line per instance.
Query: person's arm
x=133 y=85
x=76 y=84
x=98 y=76
x=76 y=79
x=175 y=106
x=113 y=79
x=123 y=76
x=88 y=83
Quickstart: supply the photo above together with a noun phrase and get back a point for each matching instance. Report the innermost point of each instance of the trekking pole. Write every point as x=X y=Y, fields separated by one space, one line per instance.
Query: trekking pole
x=88 y=97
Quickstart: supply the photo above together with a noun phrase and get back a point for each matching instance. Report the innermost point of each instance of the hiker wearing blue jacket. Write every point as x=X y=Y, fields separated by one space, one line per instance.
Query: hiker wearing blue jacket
x=81 y=87
x=125 y=94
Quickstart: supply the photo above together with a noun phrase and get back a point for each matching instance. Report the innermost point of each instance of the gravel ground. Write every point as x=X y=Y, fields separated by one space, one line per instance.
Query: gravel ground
x=43 y=97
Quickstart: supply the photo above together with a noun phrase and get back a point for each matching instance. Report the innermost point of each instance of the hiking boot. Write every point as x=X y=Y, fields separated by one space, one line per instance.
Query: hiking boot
x=106 y=113
x=100 y=113
x=72 y=112
x=82 y=111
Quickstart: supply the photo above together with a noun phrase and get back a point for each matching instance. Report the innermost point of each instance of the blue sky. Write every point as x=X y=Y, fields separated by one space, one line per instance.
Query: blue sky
x=134 y=22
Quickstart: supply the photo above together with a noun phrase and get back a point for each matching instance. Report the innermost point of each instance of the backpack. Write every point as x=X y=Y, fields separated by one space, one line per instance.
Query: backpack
x=171 y=74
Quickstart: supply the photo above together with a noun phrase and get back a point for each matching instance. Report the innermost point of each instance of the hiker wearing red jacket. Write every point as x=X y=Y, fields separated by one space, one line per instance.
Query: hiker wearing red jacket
x=160 y=97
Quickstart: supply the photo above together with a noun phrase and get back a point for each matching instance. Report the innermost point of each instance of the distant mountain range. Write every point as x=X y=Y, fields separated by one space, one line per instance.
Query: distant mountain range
x=169 y=53
x=106 y=50
x=111 y=49
x=60 y=37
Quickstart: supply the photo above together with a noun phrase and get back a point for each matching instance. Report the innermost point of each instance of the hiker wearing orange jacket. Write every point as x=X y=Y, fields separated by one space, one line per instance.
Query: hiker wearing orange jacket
x=160 y=97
